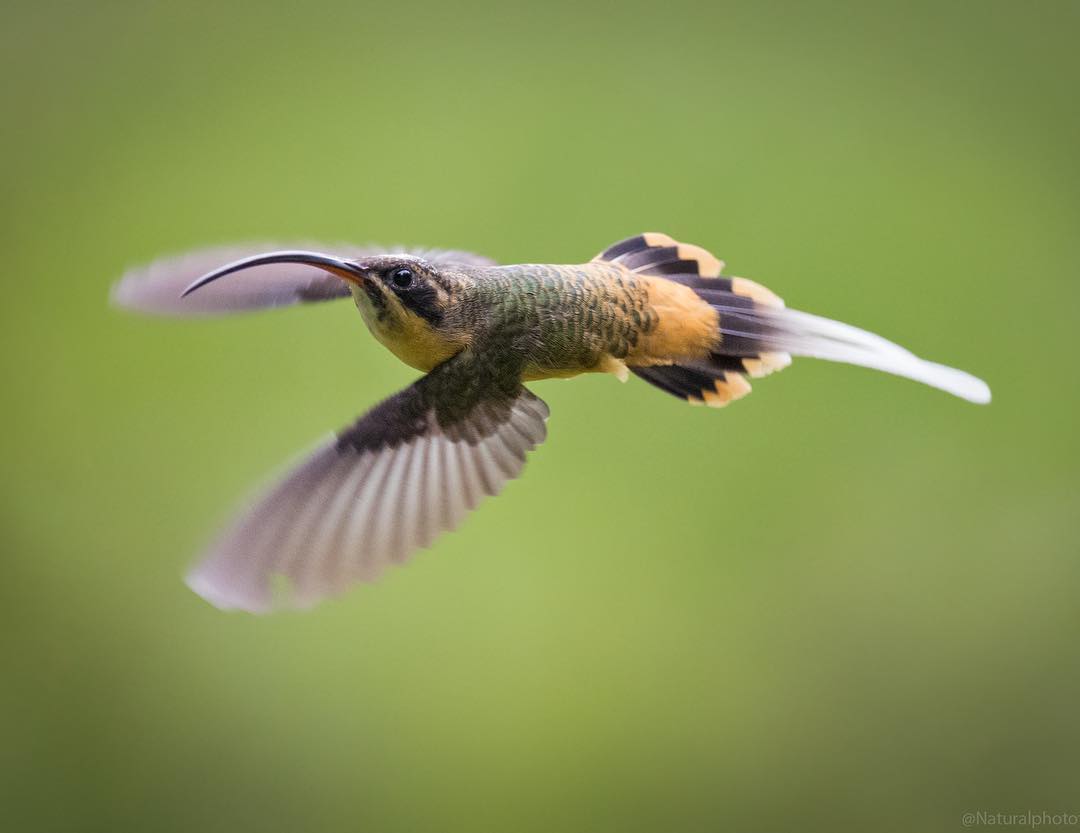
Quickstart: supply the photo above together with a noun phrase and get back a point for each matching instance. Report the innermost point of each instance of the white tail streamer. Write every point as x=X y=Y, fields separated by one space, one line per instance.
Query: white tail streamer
x=803 y=334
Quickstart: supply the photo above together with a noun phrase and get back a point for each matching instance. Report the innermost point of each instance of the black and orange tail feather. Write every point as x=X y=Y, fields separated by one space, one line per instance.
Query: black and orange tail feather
x=757 y=334
x=721 y=376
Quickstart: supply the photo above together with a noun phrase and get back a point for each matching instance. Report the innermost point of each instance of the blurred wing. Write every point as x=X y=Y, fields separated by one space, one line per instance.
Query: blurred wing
x=156 y=288
x=408 y=470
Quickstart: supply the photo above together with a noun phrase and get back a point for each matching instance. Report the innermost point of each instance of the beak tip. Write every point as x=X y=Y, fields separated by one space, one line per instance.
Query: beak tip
x=192 y=287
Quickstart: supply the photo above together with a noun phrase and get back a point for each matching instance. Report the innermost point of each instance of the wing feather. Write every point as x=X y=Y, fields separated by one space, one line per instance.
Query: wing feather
x=371 y=497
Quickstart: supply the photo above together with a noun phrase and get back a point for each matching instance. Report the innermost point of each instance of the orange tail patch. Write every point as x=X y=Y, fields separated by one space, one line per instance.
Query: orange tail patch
x=736 y=351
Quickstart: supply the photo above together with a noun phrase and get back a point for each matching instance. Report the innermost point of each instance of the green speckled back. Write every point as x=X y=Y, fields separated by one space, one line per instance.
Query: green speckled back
x=557 y=319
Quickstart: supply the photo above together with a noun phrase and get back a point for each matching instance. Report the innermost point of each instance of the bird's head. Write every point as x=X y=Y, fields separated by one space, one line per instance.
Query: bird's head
x=392 y=290
x=404 y=299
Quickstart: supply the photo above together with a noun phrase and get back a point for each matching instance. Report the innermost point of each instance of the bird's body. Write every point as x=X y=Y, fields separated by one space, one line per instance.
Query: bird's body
x=544 y=320
x=413 y=465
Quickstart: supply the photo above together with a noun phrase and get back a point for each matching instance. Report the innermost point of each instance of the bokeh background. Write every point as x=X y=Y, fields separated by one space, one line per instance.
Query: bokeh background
x=847 y=602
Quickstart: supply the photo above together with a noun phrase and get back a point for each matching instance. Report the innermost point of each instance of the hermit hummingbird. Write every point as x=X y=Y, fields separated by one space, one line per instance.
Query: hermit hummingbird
x=414 y=465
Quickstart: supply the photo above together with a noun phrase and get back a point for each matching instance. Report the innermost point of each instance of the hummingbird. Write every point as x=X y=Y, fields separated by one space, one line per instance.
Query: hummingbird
x=415 y=464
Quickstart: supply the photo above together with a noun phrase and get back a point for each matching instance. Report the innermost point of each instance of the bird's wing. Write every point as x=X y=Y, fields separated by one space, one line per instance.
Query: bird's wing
x=156 y=288
x=404 y=472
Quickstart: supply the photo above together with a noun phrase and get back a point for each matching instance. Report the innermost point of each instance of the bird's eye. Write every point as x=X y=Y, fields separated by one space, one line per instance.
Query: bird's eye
x=401 y=278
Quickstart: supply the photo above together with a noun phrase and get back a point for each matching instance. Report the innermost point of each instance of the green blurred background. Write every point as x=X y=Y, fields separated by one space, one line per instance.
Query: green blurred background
x=847 y=602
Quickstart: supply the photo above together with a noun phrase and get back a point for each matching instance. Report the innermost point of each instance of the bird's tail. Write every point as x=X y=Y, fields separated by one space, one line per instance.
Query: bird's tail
x=758 y=334
x=803 y=334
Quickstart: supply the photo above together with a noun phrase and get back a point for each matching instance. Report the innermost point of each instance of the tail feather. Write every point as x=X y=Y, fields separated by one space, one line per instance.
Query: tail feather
x=699 y=383
x=803 y=334
x=749 y=331
x=757 y=334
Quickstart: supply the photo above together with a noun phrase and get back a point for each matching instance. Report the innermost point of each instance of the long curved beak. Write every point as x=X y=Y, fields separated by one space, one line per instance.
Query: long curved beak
x=336 y=266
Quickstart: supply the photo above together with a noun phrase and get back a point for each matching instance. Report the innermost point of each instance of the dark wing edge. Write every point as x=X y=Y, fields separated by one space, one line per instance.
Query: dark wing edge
x=156 y=288
x=369 y=498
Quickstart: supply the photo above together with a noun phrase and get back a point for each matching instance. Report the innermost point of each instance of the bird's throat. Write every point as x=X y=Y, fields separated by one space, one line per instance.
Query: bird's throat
x=405 y=334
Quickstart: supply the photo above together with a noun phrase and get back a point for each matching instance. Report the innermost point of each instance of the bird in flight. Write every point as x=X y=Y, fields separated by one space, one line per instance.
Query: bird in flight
x=414 y=465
